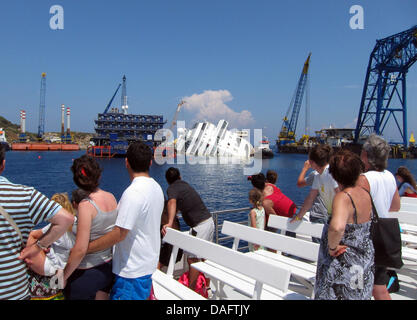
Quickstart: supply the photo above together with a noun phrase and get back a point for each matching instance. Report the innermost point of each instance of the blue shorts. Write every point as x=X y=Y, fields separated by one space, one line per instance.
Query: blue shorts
x=132 y=289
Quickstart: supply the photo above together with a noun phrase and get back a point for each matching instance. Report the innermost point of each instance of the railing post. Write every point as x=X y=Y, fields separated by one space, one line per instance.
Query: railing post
x=216 y=225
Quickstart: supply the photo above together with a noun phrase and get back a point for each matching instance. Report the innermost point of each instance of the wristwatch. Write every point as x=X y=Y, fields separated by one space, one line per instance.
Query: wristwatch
x=38 y=243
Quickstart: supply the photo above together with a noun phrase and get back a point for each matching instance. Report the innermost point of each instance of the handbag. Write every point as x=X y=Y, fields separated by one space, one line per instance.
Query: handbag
x=386 y=237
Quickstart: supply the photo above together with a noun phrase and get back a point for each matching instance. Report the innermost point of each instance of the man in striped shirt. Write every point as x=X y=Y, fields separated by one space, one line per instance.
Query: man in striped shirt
x=27 y=207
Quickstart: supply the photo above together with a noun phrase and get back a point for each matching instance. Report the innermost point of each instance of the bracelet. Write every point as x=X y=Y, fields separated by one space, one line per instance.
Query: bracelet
x=38 y=243
x=332 y=249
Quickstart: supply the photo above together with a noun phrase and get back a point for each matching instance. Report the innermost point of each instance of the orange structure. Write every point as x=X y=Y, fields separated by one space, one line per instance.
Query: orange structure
x=100 y=152
x=38 y=146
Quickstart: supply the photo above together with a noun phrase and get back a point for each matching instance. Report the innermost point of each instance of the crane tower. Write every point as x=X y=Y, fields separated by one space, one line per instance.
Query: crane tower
x=289 y=125
x=124 y=97
x=384 y=95
x=41 y=127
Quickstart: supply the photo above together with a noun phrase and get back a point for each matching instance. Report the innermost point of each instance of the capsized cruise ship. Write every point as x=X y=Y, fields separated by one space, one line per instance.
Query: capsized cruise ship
x=206 y=139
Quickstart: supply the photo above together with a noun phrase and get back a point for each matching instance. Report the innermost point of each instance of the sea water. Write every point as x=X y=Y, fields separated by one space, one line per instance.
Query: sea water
x=221 y=186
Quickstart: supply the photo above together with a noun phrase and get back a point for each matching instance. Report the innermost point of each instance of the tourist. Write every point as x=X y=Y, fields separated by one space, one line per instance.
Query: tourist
x=383 y=188
x=22 y=208
x=182 y=197
x=135 y=237
x=88 y=273
x=345 y=266
x=256 y=215
x=323 y=184
x=77 y=196
x=318 y=211
x=274 y=201
x=166 y=248
x=406 y=183
x=271 y=177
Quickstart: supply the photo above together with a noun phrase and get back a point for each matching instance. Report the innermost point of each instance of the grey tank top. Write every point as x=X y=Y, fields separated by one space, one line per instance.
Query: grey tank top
x=102 y=223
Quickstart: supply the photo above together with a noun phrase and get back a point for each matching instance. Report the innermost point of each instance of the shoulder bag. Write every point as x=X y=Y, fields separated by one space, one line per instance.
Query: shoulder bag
x=386 y=237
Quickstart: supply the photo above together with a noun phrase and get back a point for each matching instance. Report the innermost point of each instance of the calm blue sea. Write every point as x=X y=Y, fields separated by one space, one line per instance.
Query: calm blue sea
x=220 y=186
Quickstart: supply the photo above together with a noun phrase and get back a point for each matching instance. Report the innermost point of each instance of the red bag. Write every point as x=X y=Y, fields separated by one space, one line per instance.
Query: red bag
x=152 y=295
x=201 y=285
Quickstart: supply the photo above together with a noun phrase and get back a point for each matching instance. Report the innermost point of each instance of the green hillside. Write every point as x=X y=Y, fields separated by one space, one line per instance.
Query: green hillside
x=13 y=130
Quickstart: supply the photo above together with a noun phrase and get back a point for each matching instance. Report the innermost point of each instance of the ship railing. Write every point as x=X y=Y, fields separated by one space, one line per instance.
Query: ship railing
x=221 y=215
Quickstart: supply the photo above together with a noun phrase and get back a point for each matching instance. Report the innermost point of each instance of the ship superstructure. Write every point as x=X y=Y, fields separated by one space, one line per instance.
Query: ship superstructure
x=116 y=129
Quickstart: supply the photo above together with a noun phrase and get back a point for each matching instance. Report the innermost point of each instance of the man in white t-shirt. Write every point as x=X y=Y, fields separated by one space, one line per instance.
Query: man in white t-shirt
x=136 y=235
x=323 y=184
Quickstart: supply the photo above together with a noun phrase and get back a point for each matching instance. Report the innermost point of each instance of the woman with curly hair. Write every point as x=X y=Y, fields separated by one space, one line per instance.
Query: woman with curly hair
x=88 y=273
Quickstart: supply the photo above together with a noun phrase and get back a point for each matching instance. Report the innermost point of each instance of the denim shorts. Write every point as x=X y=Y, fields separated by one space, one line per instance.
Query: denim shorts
x=132 y=289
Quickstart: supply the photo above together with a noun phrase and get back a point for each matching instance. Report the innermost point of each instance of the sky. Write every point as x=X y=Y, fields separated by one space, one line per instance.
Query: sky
x=234 y=59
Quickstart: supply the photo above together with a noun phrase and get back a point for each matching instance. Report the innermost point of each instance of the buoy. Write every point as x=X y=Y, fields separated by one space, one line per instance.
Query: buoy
x=39 y=157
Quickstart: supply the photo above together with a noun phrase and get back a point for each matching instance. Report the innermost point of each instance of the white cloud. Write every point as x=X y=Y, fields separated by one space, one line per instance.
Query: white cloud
x=211 y=106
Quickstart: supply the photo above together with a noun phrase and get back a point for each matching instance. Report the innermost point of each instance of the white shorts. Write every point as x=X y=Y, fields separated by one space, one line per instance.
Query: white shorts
x=204 y=230
x=49 y=267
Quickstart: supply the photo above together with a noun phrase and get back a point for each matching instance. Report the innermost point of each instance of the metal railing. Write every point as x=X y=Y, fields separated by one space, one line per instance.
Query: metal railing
x=218 y=217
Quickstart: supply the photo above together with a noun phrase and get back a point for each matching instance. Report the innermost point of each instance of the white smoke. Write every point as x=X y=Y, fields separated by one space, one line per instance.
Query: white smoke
x=211 y=106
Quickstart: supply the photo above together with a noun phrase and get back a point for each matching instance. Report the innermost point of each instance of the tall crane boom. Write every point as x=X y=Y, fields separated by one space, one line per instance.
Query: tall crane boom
x=41 y=127
x=111 y=100
x=174 y=120
x=289 y=126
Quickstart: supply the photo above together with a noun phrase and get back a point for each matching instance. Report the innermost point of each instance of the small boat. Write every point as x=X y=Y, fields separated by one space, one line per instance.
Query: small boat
x=264 y=147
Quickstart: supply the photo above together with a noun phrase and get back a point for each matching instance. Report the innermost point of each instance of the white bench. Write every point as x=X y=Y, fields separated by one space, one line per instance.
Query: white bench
x=407 y=221
x=304 y=272
x=405 y=217
x=227 y=266
x=409 y=200
x=411 y=207
x=299 y=227
x=167 y=288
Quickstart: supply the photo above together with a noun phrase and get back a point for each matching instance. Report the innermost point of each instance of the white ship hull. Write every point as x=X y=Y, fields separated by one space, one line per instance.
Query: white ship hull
x=208 y=140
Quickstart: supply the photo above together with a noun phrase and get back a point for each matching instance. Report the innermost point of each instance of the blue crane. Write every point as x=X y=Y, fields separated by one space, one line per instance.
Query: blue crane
x=111 y=100
x=289 y=126
x=384 y=94
x=41 y=126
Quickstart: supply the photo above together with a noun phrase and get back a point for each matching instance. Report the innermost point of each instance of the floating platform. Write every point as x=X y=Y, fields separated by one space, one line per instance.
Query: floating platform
x=39 y=146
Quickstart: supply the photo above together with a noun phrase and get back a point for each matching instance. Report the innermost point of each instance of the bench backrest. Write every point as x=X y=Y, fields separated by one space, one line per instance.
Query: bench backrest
x=405 y=217
x=408 y=200
x=409 y=207
x=300 y=248
x=262 y=272
x=300 y=227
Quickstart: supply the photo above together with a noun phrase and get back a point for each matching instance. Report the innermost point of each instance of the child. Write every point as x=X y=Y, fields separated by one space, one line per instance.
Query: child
x=46 y=274
x=323 y=183
x=256 y=215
